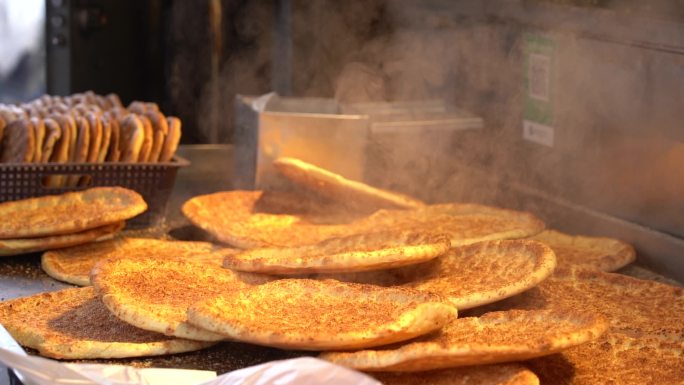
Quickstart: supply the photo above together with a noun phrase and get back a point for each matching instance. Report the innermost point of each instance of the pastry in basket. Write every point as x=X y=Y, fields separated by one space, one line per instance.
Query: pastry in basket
x=30 y=245
x=341 y=189
x=132 y=138
x=96 y=136
x=501 y=374
x=600 y=253
x=472 y=275
x=321 y=315
x=465 y=223
x=172 y=139
x=73 y=264
x=39 y=135
x=52 y=135
x=506 y=336
x=69 y=212
x=18 y=142
x=644 y=343
x=249 y=219
x=155 y=293
x=361 y=252
x=160 y=128
x=74 y=324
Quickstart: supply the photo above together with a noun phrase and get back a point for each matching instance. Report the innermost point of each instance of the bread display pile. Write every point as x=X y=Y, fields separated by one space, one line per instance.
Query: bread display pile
x=86 y=128
x=442 y=294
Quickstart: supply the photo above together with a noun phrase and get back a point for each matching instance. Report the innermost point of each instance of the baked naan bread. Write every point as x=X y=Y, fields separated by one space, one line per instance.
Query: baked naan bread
x=497 y=337
x=644 y=343
x=363 y=252
x=472 y=275
x=349 y=192
x=30 y=245
x=155 y=293
x=321 y=315
x=73 y=264
x=250 y=219
x=69 y=212
x=74 y=324
x=506 y=374
x=600 y=253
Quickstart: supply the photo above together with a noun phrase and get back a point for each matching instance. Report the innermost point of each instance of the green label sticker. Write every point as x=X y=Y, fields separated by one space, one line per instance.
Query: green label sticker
x=539 y=66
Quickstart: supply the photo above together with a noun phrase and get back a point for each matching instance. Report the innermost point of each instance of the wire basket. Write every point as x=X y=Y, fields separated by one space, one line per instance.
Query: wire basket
x=154 y=181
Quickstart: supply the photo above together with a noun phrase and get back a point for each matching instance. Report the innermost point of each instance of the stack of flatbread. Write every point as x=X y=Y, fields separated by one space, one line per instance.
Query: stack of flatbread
x=57 y=221
x=85 y=128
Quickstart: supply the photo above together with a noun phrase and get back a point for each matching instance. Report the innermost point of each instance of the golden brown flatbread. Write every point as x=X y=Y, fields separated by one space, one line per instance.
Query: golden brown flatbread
x=39 y=136
x=645 y=340
x=96 y=134
x=321 y=315
x=496 y=337
x=172 y=139
x=68 y=212
x=30 y=245
x=504 y=374
x=106 y=138
x=465 y=223
x=160 y=129
x=18 y=142
x=154 y=293
x=600 y=253
x=73 y=265
x=74 y=324
x=472 y=275
x=114 y=151
x=339 y=188
x=249 y=219
x=148 y=139
x=52 y=135
x=132 y=137
x=363 y=252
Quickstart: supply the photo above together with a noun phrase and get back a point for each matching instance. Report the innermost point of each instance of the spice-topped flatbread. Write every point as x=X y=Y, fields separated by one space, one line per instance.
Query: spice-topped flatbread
x=363 y=252
x=465 y=223
x=472 y=275
x=69 y=212
x=74 y=324
x=600 y=253
x=73 y=264
x=504 y=374
x=155 y=293
x=496 y=337
x=30 y=245
x=321 y=315
x=349 y=192
x=249 y=219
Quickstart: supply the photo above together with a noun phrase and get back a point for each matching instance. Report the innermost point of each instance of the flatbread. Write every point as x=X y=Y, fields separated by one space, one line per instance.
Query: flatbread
x=363 y=252
x=172 y=139
x=73 y=265
x=645 y=340
x=321 y=315
x=39 y=136
x=18 y=142
x=465 y=223
x=69 y=212
x=148 y=139
x=30 y=245
x=496 y=337
x=505 y=374
x=341 y=189
x=600 y=253
x=249 y=219
x=106 y=138
x=52 y=135
x=473 y=275
x=160 y=129
x=96 y=133
x=154 y=293
x=60 y=153
x=114 y=152
x=74 y=324
x=132 y=137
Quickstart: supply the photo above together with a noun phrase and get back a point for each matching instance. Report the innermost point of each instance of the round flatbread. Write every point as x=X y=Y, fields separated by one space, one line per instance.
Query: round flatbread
x=465 y=223
x=473 y=275
x=171 y=140
x=497 y=337
x=321 y=315
x=339 y=188
x=249 y=219
x=68 y=212
x=505 y=374
x=18 y=142
x=73 y=264
x=598 y=253
x=31 y=245
x=363 y=252
x=74 y=324
x=154 y=294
